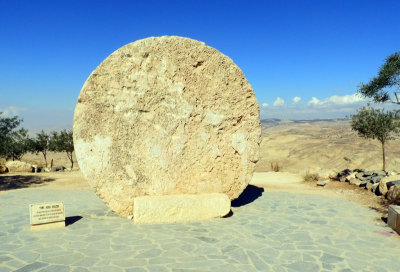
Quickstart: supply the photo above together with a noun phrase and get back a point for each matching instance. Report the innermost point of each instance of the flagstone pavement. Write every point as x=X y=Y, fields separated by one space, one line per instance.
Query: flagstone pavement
x=274 y=232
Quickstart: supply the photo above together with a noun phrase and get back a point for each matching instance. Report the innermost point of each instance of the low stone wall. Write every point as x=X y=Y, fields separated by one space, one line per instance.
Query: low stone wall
x=382 y=183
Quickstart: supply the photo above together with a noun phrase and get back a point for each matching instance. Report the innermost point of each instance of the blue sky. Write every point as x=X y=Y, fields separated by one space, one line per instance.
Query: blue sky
x=318 y=51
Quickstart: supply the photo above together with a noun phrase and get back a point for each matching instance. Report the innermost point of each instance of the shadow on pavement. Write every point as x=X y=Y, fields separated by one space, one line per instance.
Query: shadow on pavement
x=250 y=194
x=19 y=182
x=71 y=219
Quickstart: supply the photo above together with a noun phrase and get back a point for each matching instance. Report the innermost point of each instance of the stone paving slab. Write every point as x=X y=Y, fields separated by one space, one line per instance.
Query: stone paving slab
x=275 y=232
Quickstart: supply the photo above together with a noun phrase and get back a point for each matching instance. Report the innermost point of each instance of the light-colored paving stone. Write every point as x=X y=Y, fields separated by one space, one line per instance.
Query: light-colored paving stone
x=275 y=232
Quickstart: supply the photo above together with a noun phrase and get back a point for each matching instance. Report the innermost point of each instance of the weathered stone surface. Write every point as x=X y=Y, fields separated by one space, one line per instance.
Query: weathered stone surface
x=355 y=181
x=369 y=186
x=363 y=183
x=360 y=175
x=351 y=176
x=180 y=208
x=18 y=166
x=166 y=115
x=3 y=169
x=375 y=188
x=393 y=194
x=383 y=188
x=57 y=168
x=376 y=179
x=323 y=182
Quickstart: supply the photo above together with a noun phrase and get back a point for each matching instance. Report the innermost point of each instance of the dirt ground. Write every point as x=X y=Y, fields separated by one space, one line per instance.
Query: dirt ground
x=59 y=159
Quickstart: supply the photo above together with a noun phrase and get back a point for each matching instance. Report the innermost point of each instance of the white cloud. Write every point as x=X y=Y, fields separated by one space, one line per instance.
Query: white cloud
x=296 y=99
x=345 y=100
x=337 y=100
x=314 y=101
x=264 y=105
x=278 y=102
x=331 y=107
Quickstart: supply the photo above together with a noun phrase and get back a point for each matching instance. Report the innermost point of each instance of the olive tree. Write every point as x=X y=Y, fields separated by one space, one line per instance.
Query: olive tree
x=388 y=78
x=14 y=142
x=377 y=124
x=41 y=143
x=63 y=142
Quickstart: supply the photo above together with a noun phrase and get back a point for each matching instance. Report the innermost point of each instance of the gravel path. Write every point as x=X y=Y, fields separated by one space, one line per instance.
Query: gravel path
x=275 y=232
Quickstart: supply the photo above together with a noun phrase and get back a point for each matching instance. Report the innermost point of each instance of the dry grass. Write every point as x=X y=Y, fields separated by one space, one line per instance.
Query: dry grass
x=310 y=177
x=275 y=166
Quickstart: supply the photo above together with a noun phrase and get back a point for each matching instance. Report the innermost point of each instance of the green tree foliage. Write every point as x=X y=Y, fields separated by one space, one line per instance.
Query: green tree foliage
x=377 y=124
x=14 y=143
x=63 y=142
x=41 y=144
x=388 y=76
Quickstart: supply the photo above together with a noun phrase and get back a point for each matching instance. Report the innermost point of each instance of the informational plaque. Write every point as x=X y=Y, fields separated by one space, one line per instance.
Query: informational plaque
x=47 y=215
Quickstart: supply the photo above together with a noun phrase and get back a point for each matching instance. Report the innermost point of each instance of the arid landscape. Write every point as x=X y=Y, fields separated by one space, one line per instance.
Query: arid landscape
x=295 y=146
x=298 y=146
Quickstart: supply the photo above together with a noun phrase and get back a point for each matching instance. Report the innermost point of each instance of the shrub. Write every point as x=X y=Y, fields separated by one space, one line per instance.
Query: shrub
x=275 y=167
x=310 y=177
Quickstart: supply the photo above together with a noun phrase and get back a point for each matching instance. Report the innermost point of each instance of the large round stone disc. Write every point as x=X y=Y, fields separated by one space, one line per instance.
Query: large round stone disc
x=166 y=115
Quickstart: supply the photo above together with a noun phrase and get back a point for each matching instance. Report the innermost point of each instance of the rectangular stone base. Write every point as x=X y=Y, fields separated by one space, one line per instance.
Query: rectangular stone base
x=179 y=208
x=394 y=218
x=48 y=226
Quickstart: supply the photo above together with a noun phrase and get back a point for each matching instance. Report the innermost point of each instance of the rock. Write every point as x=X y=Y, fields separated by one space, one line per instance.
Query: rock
x=383 y=188
x=18 y=166
x=368 y=173
x=46 y=169
x=165 y=116
x=381 y=173
x=333 y=175
x=375 y=188
x=345 y=172
x=389 y=184
x=179 y=208
x=36 y=169
x=327 y=173
x=68 y=169
x=363 y=183
x=369 y=186
x=343 y=179
x=3 y=169
x=376 y=179
x=355 y=181
x=323 y=182
x=57 y=168
x=393 y=194
x=360 y=175
x=351 y=176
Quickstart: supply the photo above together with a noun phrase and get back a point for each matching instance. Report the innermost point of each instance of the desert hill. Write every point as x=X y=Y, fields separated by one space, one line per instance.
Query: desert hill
x=301 y=145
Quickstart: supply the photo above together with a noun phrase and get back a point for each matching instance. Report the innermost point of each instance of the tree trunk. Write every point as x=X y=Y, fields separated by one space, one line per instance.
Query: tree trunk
x=45 y=158
x=383 y=156
x=70 y=159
